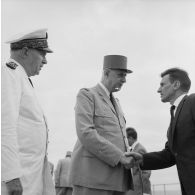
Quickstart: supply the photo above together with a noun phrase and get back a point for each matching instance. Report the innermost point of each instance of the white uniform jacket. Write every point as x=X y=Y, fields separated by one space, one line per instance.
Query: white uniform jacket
x=24 y=132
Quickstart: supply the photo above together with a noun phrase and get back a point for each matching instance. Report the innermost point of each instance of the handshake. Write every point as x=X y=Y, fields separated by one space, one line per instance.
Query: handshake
x=131 y=159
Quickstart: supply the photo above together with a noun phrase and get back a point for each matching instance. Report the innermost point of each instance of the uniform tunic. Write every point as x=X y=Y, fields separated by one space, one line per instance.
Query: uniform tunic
x=24 y=132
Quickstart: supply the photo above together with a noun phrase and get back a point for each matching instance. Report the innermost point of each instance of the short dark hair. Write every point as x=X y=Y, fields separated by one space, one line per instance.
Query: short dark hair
x=180 y=75
x=131 y=132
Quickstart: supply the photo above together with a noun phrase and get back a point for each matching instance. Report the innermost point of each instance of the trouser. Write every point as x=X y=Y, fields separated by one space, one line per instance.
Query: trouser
x=80 y=190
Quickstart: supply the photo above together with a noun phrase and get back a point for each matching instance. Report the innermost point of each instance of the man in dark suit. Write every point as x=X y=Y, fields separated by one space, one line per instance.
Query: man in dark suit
x=180 y=147
x=141 y=178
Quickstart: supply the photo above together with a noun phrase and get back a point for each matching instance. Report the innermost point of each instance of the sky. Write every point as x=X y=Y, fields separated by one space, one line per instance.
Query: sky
x=153 y=34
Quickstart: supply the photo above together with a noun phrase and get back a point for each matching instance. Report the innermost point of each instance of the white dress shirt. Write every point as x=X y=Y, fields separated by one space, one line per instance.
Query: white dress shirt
x=177 y=101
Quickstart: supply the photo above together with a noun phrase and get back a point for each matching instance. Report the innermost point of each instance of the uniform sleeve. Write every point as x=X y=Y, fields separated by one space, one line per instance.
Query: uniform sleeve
x=93 y=142
x=10 y=101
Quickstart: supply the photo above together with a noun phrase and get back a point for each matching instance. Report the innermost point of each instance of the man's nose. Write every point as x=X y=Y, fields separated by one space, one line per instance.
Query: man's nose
x=124 y=80
x=44 y=61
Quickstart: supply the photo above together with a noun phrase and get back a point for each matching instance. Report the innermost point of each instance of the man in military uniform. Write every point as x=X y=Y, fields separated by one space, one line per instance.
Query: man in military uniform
x=25 y=168
x=99 y=165
x=62 y=172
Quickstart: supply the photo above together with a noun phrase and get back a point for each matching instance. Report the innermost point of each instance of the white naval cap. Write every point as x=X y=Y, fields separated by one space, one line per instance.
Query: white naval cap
x=36 y=39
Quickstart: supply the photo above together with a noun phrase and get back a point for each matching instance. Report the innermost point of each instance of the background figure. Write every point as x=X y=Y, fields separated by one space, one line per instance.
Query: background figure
x=98 y=158
x=141 y=180
x=180 y=147
x=51 y=166
x=62 y=180
x=24 y=128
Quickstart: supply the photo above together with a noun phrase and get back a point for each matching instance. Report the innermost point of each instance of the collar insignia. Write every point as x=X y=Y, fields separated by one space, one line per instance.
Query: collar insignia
x=11 y=65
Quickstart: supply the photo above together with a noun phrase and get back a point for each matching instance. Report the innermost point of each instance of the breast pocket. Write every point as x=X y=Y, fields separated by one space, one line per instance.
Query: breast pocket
x=104 y=119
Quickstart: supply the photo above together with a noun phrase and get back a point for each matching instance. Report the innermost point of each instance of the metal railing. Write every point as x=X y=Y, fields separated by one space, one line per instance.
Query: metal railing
x=166 y=189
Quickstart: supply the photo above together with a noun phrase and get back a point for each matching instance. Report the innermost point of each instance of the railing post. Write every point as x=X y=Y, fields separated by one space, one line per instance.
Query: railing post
x=164 y=189
x=153 y=186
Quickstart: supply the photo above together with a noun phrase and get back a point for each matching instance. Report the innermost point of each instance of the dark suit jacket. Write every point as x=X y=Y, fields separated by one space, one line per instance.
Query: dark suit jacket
x=179 y=150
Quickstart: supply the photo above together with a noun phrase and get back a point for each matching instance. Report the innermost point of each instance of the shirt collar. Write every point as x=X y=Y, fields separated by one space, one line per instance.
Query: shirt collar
x=105 y=89
x=134 y=144
x=178 y=100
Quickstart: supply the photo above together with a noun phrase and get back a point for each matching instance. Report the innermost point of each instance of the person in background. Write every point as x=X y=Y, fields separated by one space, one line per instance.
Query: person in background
x=24 y=131
x=98 y=160
x=62 y=180
x=51 y=166
x=180 y=147
x=141 y=178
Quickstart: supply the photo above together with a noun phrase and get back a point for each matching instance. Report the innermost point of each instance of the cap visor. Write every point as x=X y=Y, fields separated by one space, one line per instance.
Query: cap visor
x=125 y=70
x=129 y=71
x=47 y=50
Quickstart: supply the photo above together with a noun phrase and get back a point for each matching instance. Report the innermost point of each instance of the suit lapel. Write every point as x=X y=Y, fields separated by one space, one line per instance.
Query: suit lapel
x=178 y=111
x=116 y=107
x=105 y=97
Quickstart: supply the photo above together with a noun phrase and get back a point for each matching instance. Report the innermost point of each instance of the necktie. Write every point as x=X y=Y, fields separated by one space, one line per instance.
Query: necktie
x=172 y=114
x=112 y=99
x=30 y=81
x=170 y=131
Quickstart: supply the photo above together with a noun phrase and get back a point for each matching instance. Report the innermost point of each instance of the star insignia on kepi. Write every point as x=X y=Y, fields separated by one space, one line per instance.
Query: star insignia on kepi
x=11 y=65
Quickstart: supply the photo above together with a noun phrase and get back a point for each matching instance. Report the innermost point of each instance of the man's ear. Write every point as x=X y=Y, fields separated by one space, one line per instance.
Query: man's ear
x=24 y=52
x=177 y=84
x=106 y=72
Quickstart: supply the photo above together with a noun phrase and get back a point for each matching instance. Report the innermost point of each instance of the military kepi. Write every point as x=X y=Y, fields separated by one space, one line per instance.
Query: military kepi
x=116 y=62
x=36 y=39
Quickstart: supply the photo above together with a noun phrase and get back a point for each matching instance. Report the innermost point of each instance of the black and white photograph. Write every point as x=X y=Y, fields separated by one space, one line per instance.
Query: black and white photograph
x=97 y=97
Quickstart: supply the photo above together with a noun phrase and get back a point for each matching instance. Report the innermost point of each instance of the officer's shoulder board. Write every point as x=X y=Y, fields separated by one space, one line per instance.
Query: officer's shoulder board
x=11 y=65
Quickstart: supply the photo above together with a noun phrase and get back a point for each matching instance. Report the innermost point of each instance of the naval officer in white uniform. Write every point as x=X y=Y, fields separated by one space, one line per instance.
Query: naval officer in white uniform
x=24 y=134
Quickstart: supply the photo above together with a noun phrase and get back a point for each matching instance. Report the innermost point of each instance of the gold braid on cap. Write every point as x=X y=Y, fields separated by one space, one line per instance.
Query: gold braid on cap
x=30 y=43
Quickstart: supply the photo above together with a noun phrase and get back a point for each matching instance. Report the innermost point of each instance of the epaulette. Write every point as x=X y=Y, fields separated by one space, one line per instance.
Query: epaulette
x=11 y=65
x=84 y=89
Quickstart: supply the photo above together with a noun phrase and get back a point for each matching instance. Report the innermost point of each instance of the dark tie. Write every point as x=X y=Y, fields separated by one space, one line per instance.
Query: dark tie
x=30 y=81
x=112 y=100
x=172 y=114
x=170 y=131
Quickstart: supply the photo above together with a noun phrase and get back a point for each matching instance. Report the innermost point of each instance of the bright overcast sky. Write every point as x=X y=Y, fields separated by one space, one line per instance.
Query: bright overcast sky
x=153 y=34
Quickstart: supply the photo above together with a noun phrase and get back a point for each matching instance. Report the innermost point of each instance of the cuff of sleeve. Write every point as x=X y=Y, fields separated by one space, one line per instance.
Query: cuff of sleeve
x=118 y=160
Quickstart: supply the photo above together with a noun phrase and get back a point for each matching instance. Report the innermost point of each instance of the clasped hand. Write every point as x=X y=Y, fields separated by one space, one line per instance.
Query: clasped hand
x=131 y=159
